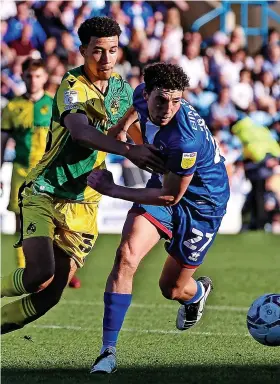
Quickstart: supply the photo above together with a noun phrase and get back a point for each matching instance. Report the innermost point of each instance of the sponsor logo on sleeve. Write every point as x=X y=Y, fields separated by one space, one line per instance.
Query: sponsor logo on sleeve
x=70 y=97
x=188 y=160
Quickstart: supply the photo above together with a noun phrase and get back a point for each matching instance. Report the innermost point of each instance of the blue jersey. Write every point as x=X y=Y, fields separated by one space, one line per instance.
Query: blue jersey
x=188 y=147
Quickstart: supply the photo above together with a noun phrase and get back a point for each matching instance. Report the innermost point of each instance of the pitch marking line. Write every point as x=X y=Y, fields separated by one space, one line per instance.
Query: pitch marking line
x=133 y=330
x=155 y=306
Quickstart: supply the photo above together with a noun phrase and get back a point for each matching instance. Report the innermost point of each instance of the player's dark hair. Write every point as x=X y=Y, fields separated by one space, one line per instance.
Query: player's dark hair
x=98 y=27
x=33 y=64
x=167 y=76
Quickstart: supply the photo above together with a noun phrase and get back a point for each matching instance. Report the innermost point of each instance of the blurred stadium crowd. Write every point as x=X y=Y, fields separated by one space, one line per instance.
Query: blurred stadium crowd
x=226 y=82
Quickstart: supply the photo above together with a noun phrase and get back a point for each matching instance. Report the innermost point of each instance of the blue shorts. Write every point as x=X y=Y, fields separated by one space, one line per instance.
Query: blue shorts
x=189 y=231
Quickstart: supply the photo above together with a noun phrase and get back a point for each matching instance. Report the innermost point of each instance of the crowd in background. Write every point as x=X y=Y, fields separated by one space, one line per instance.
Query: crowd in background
x=226 y=83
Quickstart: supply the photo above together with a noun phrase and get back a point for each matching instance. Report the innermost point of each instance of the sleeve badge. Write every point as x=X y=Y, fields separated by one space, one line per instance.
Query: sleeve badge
x=188 y=160
x=70 y=97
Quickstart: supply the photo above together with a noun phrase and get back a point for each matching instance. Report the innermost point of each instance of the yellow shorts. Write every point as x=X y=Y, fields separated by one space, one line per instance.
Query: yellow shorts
x=18 y=177
x=71 y=226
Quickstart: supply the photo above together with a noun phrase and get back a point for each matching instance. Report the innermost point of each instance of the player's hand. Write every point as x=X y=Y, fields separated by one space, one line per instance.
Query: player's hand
x=114 y=130
x=118 y=133
x=272 y=162
x=146 y=157
x=101 y=181
x=122 y=136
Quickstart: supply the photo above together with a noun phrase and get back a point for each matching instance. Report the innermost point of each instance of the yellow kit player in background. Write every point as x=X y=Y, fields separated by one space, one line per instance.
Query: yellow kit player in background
x=59 y=210
x=26 y=119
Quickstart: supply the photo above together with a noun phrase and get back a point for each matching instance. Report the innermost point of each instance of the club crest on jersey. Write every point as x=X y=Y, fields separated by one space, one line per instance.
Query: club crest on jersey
x=70 y=97
x=44 y=110
x=31 y=228
x=115 y=105
x=188 y=160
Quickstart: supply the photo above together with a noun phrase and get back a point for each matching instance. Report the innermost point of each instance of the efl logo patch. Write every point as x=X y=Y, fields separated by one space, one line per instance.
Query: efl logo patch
x=70 y=97
x=188 y=160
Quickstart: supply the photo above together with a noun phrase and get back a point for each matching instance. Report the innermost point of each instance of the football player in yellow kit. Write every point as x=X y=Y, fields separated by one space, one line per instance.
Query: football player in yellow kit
x=26 y=119
x=59 y=211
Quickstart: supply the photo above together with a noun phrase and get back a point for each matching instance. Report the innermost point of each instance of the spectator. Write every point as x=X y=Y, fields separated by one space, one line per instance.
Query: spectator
x=272 y=63
x=193 y=64
x=16 y=24
x=12 y=83
x=123 y=67
x=237 y=39
x=123 y=20
x=9 y=10
x=79 y=19
x=242 y=93
x=265 y=93
x=255 y=65
x=55 y=78
x=49 y=16
x=134 y=49
x=232 y=67
x=67 y=14
x=65 y=50
x=217 y=55
x=273 y=38
x=133 y=80
x=138 y=12
x=23 y=46
x=172 y=35
x=8 y=55
x=52 y=61
x=223 y=112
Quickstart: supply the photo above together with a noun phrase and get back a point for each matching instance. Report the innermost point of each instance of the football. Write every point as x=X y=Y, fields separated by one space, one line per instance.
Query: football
x=263 y=319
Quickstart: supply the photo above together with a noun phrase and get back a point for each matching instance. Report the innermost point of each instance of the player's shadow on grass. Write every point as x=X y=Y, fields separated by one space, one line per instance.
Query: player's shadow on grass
x=147 y=375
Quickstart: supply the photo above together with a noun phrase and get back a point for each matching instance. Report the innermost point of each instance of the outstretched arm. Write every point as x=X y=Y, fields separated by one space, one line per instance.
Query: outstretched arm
x=128 y=124
x=145 y=157
x=174 y=187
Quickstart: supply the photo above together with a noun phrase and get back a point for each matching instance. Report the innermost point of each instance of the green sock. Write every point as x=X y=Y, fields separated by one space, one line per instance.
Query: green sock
x=12 y=285
x=16 y=314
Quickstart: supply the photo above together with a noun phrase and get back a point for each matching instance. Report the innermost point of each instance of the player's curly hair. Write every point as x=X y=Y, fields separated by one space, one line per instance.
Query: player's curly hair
x=167 y=76
x=98 y=27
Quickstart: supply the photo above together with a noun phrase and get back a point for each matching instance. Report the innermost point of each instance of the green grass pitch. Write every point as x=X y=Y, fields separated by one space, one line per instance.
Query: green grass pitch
x=61 y=346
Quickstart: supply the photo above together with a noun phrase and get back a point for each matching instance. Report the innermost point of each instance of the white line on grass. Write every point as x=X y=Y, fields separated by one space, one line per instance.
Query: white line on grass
x=159 y=331
x=155 y=306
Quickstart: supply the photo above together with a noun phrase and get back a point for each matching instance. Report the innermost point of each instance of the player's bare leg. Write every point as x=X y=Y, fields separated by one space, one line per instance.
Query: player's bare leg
x=37 y=275
x=39 y=268
x=75 y=282
x=138 y=238
x=65 y=268
x=17 y=314
x=177 y=283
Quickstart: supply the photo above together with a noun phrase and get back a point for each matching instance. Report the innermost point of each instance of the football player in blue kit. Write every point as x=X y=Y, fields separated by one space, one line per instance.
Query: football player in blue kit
x=185 y=206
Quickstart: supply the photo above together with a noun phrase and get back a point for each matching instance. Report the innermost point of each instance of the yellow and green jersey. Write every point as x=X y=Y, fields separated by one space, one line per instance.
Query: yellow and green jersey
x=64 y=168
x=257 y=140
x=28 y=123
